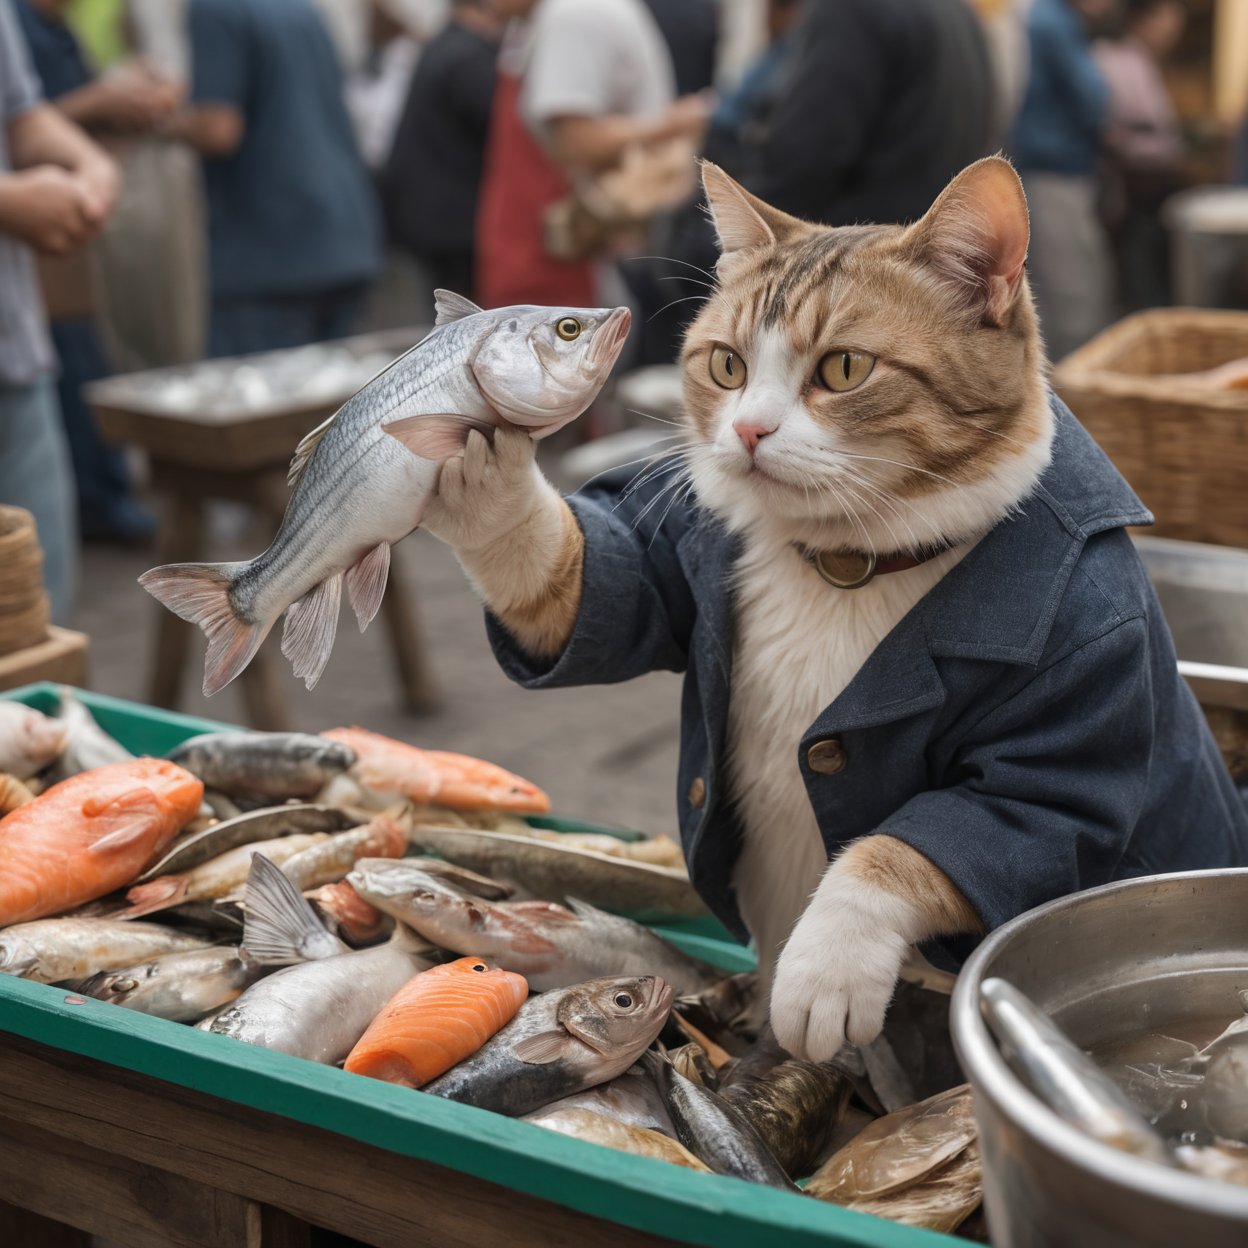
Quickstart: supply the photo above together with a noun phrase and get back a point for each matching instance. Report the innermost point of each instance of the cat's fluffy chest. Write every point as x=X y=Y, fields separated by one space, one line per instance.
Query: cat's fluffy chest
x=799 y=642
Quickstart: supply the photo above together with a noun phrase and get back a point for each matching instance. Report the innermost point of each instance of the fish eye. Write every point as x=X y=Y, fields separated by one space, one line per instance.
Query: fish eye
x=623 y=1000
x=479 y=966
x=568 y=328
x=845 y=370
x=123 y=985
x=727 y=368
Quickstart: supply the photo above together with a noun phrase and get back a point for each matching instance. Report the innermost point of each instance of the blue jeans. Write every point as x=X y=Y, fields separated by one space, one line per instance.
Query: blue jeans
x=35 y=473
x=242 y=324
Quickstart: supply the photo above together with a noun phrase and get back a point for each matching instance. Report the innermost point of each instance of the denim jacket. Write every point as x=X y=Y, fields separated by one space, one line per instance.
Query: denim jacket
x=1024 y=726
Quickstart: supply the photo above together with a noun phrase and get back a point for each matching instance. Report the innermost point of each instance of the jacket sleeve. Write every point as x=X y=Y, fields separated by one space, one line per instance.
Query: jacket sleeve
x=637 y=610
x=1048 y=786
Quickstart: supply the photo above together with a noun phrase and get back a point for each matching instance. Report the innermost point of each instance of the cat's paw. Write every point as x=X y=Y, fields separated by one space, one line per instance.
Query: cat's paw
x=836 y=975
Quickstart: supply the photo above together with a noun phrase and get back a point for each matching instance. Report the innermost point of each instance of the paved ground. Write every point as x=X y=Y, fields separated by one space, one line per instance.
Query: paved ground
x=605 y=754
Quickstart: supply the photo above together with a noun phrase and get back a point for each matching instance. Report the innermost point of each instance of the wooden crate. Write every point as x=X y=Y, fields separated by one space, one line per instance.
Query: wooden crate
x=61 y=658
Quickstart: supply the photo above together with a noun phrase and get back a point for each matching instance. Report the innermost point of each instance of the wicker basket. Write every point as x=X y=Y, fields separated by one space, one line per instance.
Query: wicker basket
x=23 y=602
x=1183 y=448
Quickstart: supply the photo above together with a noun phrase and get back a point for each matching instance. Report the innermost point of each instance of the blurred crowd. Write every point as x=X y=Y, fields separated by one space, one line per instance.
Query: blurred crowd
x=182 y=179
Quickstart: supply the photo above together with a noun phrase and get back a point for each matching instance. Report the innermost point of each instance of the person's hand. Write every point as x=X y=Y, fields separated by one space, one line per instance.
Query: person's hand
x=49 y=208
x=135 y=98
x=690 y=115
x=487 y=491
x=837 y=973
x=100 y=181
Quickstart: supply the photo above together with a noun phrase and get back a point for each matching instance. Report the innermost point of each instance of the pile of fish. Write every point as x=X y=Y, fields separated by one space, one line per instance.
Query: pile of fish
x=355 y=901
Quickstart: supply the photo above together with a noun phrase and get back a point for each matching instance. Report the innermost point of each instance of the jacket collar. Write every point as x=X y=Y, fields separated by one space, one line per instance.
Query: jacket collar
x=998 y=604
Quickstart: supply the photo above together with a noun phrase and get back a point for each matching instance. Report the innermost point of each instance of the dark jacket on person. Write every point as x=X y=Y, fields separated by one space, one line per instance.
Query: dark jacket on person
x=884 y=102
x=1025 y=726
x=433 y=175
x=690 y=28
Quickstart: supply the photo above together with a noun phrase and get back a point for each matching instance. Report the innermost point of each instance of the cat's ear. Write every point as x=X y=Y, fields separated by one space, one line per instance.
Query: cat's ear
x=742 y=221
x=976 y=235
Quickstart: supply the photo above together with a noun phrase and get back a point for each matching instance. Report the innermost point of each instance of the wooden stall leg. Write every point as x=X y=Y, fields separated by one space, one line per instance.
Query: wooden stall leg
x=262 y=693
x=275 y=1228
x=23 y=1229
x=181 y=541
x=406 y=643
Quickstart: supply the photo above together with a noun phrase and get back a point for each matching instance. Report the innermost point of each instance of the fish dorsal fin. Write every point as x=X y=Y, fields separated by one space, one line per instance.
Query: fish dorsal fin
x=280 y=927
x=545 y=1047
x=305 y=450
x=452 y=307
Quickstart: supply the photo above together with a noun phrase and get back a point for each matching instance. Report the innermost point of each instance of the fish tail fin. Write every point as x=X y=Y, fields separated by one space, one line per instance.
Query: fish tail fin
x=200 y=594
x=280 y=927
x=310 y=628
x=158 y=894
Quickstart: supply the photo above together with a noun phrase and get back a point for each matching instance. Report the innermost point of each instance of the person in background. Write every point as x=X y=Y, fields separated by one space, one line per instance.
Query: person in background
x=1144 y=148
x=690 y=28
x=580 y=83
x=432 y=178
x=57 y=189
x=131 y=100
x=1057 y=147
x=293 y=221
x=739 y=121
x=884 y=102
x=1004 y=24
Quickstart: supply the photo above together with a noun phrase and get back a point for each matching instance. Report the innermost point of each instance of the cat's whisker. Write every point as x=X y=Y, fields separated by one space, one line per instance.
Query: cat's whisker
x=662 y=420
x=880 y=459
x=885 y=498
x=672 y=260
x=681 y=277
x=644 y=460
x=652 y=474
x=854 y=493
x=678 y=497
x=668 y=487
x=674 y=302
x=851 y=515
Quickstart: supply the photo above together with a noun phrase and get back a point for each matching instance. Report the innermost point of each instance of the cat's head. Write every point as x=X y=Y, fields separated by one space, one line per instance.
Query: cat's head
x=871 y=387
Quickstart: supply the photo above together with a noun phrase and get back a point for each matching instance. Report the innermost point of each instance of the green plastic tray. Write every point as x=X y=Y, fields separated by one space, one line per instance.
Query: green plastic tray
x=648 y=1195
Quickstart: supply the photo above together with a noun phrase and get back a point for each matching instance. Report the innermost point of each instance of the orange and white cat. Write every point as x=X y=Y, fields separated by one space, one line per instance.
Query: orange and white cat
x=877 y=390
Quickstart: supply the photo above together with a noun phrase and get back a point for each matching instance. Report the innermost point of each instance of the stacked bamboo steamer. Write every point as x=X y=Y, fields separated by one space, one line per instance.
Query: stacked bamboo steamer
x=24 y=611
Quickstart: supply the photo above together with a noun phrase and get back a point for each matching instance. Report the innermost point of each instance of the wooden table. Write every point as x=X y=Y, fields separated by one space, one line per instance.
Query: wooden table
x=88 y=1148
x=62 y=657
x=241 y=456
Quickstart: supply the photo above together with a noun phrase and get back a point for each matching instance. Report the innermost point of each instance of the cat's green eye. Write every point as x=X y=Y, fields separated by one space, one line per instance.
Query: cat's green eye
x=845 y=370
x=727 y=368
x=568 y=328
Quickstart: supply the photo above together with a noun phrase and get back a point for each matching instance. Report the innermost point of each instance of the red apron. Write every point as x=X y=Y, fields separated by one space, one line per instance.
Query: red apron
x=520 y=181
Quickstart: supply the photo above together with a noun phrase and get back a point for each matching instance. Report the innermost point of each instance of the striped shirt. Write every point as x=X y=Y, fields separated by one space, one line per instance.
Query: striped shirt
x=25 y=350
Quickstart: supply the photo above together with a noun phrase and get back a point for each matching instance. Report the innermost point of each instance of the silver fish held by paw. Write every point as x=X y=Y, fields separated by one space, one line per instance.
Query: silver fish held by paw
x=552 y=946
x=361 y=481
x=560 y=1043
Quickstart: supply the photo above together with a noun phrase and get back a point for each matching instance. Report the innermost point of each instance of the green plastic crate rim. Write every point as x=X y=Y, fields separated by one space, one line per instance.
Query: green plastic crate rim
x=648 y=1195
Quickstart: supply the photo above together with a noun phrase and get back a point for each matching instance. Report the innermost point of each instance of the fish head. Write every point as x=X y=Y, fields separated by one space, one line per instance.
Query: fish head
x=616 y=1016
x=542 y=367
x=115 y=986
x=408 y=893
x=18 y=956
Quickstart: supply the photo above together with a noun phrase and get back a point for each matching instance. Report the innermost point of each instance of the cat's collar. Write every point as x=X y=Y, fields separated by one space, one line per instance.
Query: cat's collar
x=852 y=569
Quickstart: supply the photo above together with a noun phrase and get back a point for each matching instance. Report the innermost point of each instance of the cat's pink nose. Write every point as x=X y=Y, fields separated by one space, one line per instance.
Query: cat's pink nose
x=751 y=434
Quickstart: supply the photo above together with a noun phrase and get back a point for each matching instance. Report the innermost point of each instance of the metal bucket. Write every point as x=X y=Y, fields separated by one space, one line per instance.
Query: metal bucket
x=1137 y=956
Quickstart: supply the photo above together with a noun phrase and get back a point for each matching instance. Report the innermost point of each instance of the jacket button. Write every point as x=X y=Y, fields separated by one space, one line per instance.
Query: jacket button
x=697 y=793
x=826 y=757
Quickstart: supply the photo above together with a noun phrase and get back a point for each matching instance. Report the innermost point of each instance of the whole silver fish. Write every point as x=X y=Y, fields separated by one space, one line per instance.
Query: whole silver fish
x=714 y=1131
x=552 y=946
x=193 y=851
x=182 y=987
x=362 y=480
x=329 y=861
x=29 y=740
x=630 y=1098
x=263 y=764
x=51 y=950
x=560 y=1043
x=87 y=745
x=553 y=872
x=1063 y=1076
x=317 y=1009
